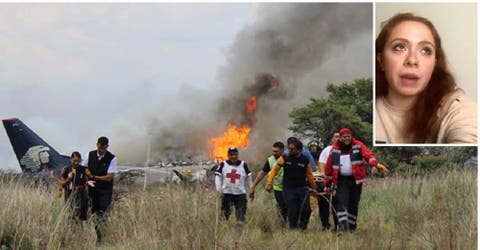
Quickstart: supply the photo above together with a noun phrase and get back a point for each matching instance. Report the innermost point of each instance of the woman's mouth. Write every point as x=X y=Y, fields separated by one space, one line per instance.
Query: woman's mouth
x=409 y=79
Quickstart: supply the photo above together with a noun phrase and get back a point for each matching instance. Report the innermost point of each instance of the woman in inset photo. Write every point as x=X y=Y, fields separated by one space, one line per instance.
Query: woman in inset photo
x=417 y=97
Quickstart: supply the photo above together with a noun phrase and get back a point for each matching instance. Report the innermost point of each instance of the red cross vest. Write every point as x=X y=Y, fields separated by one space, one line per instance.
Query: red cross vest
x=233 y=178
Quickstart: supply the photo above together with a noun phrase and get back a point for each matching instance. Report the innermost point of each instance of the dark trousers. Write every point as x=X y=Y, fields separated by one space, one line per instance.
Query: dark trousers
x=282 y=206
x=346 y=202
x=298 y=206
x=100 y=202
x=78 y=200
x=325 y=208
x=240 y=203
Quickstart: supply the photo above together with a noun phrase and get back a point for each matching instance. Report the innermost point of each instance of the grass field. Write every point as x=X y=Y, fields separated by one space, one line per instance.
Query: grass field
x=436 y=212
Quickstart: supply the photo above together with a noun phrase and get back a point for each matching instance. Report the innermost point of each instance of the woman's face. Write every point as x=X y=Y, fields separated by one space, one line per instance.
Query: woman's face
x=408 y=59
x=75 y=161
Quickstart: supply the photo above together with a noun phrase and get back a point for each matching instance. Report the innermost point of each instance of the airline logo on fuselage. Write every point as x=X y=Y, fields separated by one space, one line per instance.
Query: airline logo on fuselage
x=35 y=157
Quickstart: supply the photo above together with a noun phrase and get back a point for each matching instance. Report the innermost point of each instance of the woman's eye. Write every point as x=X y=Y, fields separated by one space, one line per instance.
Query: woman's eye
x=427 y=51
x=399 y=47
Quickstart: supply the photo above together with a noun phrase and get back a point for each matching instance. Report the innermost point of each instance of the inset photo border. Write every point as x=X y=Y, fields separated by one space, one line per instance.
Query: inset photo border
x=424 y=94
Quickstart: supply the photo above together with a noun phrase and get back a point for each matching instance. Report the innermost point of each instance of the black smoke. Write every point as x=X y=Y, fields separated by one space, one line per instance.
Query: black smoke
x=303 y=46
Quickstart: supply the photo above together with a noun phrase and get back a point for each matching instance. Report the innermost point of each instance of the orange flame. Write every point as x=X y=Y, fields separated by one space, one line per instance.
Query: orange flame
x=251 y=105
x=276 y=83
x=273 y=79
x=233 y=137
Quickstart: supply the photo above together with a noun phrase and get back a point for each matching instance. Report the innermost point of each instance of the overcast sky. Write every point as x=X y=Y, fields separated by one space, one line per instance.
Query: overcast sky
x=71 y=71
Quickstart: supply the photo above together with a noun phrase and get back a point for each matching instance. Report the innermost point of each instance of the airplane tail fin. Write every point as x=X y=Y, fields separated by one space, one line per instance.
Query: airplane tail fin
x=32 y=151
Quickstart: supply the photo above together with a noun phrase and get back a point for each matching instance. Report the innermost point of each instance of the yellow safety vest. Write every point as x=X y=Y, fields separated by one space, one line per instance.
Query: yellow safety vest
x=278 y=181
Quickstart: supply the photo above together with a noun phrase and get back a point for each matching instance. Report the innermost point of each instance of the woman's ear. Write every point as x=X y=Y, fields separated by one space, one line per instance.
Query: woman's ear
x=380 y=61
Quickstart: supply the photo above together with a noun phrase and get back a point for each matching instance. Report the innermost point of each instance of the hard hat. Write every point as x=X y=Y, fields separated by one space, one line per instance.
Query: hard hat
x=313 y=143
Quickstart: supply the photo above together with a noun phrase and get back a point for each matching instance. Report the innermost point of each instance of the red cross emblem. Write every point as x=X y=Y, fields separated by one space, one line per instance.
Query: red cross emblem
x=233 y=176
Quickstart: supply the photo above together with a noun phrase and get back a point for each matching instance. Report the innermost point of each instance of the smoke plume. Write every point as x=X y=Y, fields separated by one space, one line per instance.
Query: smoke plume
x=284 y=58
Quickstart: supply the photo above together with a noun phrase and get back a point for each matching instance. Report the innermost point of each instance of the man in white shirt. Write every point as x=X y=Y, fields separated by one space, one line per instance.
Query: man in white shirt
x=324 y=201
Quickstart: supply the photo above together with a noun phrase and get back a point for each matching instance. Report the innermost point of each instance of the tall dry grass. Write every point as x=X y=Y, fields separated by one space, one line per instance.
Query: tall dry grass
x=435 y=212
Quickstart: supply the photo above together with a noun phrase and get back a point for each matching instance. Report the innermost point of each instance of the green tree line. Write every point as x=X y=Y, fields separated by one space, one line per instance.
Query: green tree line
x=347 y=105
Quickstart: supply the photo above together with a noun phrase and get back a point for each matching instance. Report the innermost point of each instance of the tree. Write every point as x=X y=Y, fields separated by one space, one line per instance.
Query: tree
x=424 y=160
x=347 y=105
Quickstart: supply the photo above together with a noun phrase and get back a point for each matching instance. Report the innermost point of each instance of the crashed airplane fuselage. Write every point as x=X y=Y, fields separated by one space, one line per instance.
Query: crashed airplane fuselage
x=33 y=152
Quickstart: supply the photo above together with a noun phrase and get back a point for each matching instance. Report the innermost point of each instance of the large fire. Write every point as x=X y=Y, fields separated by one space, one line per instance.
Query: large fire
x=233 y=137
x=237 y=136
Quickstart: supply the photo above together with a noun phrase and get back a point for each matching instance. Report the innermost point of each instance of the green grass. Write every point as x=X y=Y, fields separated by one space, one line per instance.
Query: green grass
x=435 y=212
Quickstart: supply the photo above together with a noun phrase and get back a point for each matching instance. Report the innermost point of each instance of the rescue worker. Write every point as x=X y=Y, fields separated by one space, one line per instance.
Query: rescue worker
x=304 y=152
x=314 y=148
x=346 y=170
x=230 y=179
x=296 y=171
x=277 y=152
x=325 y=202
x=101 y=168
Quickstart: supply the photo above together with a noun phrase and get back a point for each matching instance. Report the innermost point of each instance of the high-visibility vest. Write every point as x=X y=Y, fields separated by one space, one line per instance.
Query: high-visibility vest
x=278 y=181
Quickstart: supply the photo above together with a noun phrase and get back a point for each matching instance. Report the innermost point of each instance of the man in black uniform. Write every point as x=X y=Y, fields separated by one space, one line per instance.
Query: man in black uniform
x=102 y=165
x=296 y=171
